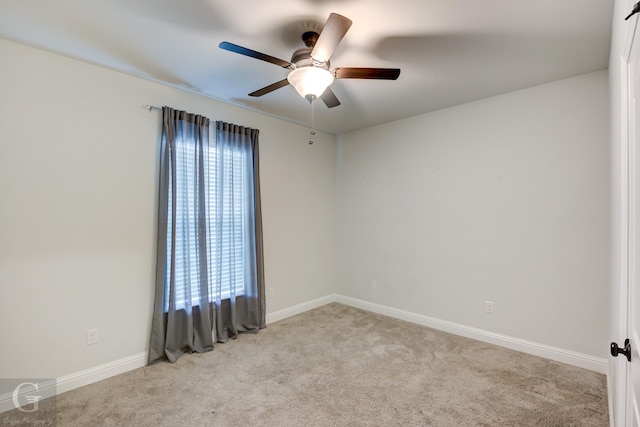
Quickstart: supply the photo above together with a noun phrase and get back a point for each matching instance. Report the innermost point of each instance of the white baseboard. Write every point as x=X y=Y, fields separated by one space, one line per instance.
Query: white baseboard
x=300 y=308
x=542 y=350
x=102 y=372
x=78 y=379
x=107 y=370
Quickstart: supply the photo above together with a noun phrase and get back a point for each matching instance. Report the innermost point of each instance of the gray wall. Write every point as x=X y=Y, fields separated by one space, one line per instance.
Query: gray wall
x=505 y=199
x=78 y=185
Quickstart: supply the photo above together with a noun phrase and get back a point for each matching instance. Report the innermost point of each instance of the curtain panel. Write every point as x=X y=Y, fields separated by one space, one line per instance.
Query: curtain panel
x=209 y=270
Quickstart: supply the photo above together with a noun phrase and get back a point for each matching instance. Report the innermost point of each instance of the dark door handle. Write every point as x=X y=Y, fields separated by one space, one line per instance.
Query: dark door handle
x=615 y=350
x=635 y=10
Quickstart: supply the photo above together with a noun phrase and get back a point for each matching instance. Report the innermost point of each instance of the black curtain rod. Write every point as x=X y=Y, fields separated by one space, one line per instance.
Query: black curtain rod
x=152 y=107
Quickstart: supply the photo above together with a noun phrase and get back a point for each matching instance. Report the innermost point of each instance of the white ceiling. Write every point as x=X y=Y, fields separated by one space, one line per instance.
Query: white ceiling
x=450 y=51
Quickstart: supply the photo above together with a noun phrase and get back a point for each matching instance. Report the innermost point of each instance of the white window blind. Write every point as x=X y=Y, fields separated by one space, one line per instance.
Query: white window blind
x=219 y=272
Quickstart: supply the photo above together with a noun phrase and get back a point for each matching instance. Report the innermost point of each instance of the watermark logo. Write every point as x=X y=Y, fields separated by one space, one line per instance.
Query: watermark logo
x=27 y=402
x=30 y=399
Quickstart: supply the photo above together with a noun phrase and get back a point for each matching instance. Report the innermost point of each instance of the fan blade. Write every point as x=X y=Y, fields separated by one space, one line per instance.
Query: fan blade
x=254 y=54
x=334 y=30
x=270 y=88
x=330 y=99
x=367 y=73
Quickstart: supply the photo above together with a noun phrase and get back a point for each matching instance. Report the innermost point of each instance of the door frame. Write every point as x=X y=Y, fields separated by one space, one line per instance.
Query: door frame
x=623 y=168
x=632 y=136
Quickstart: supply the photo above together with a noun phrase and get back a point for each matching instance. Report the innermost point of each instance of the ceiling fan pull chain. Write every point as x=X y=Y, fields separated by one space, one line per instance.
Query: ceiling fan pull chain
x=313 y=124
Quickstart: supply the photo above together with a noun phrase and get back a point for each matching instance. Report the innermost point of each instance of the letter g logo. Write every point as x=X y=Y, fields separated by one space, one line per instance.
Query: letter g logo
x=29 y=398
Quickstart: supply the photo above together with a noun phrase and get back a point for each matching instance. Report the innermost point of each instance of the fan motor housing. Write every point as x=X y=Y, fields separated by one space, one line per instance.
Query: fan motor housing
x=302 y=58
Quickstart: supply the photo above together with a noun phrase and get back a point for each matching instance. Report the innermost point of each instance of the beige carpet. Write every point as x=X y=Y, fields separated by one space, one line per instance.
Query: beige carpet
x=341 y=366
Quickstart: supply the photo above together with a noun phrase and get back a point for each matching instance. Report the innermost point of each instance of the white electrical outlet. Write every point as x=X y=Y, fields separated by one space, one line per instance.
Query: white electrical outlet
x=488 y=307
x=272 y=293
x=374 y=284
x=92 y=336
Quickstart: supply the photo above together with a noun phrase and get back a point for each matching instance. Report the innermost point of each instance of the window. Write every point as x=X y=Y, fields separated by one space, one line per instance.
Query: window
x=209 y=271
x=221 y=196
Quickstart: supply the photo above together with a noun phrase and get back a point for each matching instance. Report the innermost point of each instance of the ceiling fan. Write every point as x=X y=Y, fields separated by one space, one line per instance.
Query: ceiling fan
x=311 y=73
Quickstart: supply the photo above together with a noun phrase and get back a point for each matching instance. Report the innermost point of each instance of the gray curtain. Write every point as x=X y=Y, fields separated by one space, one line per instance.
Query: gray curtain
x=209 y=270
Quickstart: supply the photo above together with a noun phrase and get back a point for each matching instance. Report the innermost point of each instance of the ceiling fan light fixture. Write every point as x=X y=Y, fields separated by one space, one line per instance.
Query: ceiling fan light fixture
x=310 y=82
x=309 y=67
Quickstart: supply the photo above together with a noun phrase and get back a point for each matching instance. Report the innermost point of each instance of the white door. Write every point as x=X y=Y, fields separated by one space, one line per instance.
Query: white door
x=633 y=368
